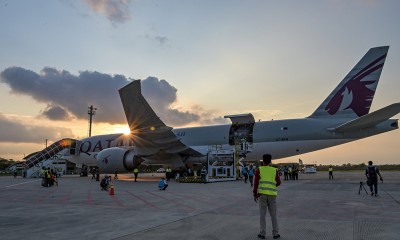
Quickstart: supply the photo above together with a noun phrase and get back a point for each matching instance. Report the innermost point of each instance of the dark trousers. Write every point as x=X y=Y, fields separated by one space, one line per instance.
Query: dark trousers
x=246 y=176
x=374 y=184
x=203 y=178
x=286 y=176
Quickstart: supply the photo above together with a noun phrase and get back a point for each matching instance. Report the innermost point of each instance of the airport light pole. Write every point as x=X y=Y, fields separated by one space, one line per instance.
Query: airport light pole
x=91 y=112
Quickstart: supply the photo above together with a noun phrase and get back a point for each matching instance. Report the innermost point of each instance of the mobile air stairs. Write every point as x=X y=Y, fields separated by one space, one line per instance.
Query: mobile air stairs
x=35 y=161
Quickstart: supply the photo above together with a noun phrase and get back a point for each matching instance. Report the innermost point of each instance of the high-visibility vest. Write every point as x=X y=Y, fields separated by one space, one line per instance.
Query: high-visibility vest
x=290 y=169
x=267 y=182
x=330 y=169
x=135 y=170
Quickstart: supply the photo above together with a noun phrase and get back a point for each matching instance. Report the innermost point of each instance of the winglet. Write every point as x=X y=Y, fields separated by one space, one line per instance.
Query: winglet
x=353 y=96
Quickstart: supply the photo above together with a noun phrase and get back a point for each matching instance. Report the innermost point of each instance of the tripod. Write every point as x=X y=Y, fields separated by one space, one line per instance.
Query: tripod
x=361 y=187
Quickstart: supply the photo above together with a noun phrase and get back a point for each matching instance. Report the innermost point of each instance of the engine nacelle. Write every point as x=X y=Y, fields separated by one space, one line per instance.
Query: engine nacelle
x=120 y=159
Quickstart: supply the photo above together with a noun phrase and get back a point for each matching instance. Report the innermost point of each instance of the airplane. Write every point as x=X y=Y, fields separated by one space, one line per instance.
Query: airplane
x=341 y=118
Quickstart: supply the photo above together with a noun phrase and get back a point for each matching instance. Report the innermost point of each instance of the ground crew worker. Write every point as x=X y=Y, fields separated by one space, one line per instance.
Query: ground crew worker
x=115 y=174
x=135 y=172
x=290 y=173
x=168 y=173
x=44 y=179
x=330 y=170
x=295 y=174
x=265 y=189
x=48 y=177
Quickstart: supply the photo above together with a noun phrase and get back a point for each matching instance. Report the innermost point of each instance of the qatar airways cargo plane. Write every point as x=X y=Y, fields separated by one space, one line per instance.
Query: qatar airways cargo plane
x=341 y=118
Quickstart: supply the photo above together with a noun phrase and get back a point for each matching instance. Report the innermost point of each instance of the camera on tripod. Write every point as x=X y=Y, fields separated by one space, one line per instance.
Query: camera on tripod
x=362 y=187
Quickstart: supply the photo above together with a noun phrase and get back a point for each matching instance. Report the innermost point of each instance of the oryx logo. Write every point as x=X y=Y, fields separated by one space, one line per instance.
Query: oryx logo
x=356 y=94
x=105 y=160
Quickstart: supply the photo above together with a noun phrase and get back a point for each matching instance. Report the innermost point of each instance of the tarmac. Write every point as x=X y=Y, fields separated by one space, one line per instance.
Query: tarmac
x=311 y=208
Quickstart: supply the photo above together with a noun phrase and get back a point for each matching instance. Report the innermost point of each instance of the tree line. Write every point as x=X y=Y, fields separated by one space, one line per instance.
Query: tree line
x=361 y=166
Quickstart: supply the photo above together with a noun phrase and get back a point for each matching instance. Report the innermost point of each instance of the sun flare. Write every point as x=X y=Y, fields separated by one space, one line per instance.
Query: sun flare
x=122 y=129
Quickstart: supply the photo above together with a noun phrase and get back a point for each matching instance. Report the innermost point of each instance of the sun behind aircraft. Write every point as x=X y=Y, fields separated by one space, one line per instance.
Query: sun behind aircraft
x=341 y=118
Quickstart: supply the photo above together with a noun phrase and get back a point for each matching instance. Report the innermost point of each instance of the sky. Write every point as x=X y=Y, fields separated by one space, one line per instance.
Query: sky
x=198 y=61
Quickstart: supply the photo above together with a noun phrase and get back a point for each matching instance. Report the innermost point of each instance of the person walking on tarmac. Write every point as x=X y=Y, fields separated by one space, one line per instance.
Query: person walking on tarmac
x=245 y=173
x=265 y=191
x=372 y=173
x=330 y=170
x=251 y=174
x=136 y=172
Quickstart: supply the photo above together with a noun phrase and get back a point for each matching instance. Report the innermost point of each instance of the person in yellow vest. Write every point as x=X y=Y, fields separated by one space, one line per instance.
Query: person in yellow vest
x=330 y=172
x=136 y=172
x=168 y=173
x=266 y=181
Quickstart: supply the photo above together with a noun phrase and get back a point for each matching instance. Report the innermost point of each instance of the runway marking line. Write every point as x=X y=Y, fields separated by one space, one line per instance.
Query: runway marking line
x=119 y=203
x=141 y=199
x=20 y=184
x=89 y=198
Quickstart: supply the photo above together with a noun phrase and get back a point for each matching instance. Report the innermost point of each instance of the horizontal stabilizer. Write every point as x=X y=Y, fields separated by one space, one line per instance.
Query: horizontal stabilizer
x=369 y=120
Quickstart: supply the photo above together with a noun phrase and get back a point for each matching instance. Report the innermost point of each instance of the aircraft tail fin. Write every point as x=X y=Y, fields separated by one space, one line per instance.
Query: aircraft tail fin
x=352 y=98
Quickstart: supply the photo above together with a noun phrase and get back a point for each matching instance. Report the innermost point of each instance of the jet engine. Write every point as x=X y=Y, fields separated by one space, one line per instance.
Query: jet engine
x=120 y=159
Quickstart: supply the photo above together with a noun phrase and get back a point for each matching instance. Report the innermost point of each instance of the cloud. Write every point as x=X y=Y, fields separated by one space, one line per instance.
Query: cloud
x=69 y=92
x=13 y=131
x=161 y=96
x=68 y=95
x=162 y=40
x=116 y=11
x=55 y=113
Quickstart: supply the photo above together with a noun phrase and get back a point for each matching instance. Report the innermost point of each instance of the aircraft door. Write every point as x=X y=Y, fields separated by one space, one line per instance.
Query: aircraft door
x=241 y=131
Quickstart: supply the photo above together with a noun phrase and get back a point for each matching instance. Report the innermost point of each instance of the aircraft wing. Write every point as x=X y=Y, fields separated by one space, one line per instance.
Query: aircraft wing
x=150 y=135
x=370 y=119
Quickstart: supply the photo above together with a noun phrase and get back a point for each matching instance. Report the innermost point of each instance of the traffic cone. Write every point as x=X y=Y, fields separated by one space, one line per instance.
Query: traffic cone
x=112 y=189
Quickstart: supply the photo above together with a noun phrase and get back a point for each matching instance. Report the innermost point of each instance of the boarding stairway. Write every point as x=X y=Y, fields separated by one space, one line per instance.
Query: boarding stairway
x=35 y=160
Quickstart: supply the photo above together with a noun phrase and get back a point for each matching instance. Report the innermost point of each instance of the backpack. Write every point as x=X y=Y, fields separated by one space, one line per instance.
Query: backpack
x=372 y=172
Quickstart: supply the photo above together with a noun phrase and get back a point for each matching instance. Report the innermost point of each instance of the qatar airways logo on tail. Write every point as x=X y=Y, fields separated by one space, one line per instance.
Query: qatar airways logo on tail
x=356 y=93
